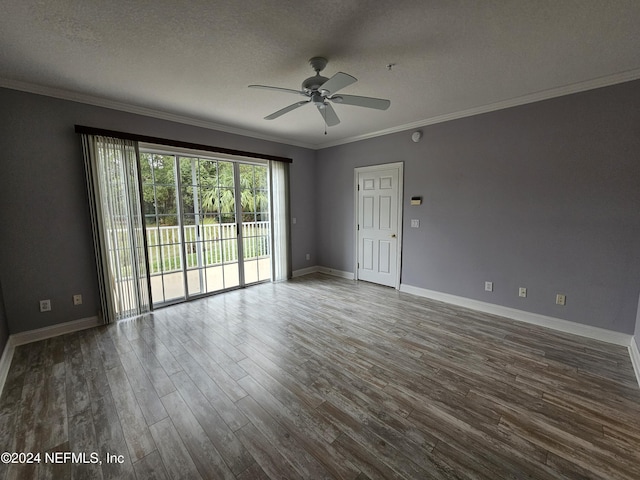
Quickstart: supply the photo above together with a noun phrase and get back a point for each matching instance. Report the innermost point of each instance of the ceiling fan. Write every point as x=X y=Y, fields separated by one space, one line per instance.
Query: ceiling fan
x=321 y=90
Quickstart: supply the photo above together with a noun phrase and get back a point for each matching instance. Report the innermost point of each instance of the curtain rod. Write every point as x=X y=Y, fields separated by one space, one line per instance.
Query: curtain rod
x=176 y=143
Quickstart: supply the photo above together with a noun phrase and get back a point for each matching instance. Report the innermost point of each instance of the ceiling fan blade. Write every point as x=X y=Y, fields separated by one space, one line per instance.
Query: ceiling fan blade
x=368 y=102
x=337 y=82
x=328 y=114
x=278 y=89
x=285 y=110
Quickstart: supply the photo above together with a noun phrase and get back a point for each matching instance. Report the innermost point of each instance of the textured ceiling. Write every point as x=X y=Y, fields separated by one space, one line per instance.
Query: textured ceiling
x=193 y=60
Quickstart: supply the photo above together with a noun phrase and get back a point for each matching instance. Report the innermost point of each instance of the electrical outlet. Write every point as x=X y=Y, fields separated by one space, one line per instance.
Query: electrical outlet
x=561 y=299
x=77 y=299
x=415 y=223
x=45 y=305
x=488 y=286
x=308 y=256
x=522 y=292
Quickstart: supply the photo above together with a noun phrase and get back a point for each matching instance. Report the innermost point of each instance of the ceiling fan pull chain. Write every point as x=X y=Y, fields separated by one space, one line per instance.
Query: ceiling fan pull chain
x=324 y=113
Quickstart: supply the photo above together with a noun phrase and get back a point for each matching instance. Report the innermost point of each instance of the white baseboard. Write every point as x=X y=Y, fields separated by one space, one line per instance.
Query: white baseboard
x=566 y=326
x=336 y=273
x=325 y=270
x=5 y=363
x=54 y=330
x=23 y=338
x=634 y=353
x=305 y=271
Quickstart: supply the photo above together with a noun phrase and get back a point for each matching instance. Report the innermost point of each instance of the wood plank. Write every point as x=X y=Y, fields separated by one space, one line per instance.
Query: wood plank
x=150 y=468
x=77 y=390
x=270 y=460
x=144 y=391
x=134 y=426
x=96 y=378
x=110 y=438
x=254 y=472
x=175 y=457
x=324 y=377
x=282 y=440
x=206 y=457
x=309 y=432
x=82 y=440
x=156 y=373
x=227 y=383
x=214 y=394
x=219 y=432
x=51 y=428
x=286 y=407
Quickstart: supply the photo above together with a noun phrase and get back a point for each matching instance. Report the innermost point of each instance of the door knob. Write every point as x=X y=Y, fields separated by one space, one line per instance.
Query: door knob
x=393 y=235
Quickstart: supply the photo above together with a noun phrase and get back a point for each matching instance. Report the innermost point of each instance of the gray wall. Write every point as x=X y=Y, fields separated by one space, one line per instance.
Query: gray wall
x=4 y=326
x=46 y=249
x=544 y=196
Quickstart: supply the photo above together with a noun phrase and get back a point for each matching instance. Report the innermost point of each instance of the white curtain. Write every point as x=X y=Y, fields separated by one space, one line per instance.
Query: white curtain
x=113 y=184
x=281 y=254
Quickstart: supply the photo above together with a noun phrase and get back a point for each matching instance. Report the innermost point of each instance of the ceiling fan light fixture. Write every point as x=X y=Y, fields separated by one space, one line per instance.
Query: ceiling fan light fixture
x=314 y=83
x=317 y=98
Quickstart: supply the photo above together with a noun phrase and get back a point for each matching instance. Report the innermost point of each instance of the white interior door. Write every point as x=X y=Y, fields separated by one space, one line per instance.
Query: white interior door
x=379 y=224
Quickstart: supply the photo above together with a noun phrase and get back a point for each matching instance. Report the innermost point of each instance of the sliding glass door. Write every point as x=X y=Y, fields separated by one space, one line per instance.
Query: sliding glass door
x=207 y=224
x=256 y=227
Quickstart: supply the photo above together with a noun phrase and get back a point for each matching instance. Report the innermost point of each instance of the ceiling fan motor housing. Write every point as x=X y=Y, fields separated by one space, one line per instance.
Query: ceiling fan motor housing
x=313 y=83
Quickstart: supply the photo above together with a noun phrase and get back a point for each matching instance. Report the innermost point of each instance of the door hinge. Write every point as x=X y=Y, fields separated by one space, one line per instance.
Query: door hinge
x=358 y=264
x=358 y=226
x=358 y=187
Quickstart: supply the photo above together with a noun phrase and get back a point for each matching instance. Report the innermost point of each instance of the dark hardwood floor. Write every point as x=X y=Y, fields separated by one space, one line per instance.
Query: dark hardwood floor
x=322 y=378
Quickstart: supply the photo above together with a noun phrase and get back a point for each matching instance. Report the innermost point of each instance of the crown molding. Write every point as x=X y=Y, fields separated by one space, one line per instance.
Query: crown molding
x=606 y=81
x=600 y=82
x=147 y=112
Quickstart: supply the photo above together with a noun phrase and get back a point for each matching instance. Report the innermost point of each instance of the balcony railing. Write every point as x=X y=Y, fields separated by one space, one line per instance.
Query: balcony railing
x=205 y=245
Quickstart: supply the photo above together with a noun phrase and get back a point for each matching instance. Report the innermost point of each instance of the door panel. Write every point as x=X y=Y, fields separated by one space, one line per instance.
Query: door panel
x=378 y=225
x=368 y=212
x=367 y=253
x=385 y=213
x=256 y=229
x=384 y=262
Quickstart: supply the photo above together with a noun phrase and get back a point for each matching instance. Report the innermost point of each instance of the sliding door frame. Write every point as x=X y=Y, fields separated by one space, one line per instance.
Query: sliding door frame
x=236 y=162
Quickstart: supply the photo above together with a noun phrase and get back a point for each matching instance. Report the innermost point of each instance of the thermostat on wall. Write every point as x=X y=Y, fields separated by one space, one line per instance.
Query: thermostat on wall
x=416 y=200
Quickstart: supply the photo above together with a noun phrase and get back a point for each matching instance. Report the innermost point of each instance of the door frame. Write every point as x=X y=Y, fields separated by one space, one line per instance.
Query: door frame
x=236 y=161
x=385 y=166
